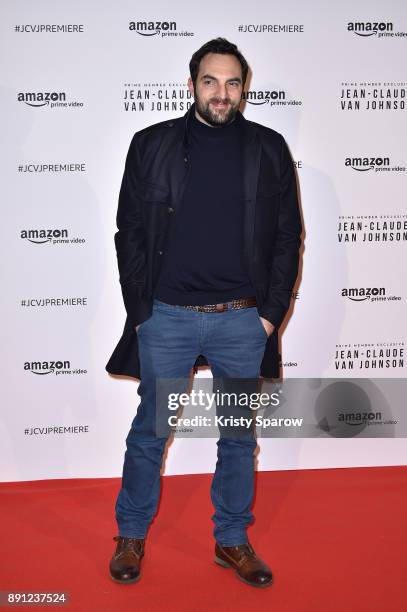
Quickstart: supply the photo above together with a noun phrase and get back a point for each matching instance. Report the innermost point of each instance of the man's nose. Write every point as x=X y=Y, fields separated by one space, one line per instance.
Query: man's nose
x=221 y=91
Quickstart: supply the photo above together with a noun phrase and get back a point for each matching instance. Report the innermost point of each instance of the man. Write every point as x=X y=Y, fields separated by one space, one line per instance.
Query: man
x=208 y=248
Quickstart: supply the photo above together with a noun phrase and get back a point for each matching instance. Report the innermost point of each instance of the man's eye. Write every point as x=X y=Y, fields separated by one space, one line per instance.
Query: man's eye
x=234 y=84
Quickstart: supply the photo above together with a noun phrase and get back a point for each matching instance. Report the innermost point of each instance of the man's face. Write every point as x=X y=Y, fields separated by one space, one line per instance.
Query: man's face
x=218 y=88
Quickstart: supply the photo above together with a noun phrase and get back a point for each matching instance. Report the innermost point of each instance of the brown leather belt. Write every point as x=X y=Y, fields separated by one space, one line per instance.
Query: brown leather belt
x=232 y=305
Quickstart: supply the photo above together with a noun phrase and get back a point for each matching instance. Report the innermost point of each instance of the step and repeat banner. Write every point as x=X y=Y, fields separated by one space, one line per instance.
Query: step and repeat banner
x=78 y=79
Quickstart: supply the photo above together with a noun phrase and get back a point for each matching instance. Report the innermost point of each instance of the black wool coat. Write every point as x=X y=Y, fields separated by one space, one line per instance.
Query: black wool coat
x=155 y=175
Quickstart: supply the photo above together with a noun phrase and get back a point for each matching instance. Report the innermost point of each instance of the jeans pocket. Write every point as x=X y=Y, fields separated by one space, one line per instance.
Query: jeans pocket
x=259 y=322
x=143 y=324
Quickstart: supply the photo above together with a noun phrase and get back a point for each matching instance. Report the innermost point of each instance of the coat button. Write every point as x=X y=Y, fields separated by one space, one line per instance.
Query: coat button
x=185 y=159
x=160 y=252
x=170 y=209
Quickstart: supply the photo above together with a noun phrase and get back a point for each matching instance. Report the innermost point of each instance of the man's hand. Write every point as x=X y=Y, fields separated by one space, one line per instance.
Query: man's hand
x=269 y=327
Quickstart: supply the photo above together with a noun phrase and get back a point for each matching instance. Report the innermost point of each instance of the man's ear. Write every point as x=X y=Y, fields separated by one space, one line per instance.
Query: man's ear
x=190 y=86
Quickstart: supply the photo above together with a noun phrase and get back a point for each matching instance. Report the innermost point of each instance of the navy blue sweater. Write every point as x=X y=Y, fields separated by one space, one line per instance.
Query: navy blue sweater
x=204 y=259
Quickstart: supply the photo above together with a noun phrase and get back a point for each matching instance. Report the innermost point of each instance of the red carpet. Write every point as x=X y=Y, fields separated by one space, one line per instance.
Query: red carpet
x=335 y=540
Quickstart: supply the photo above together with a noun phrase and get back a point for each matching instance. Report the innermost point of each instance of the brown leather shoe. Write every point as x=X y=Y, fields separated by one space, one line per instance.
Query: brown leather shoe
x=246 y=564
x=125 y=563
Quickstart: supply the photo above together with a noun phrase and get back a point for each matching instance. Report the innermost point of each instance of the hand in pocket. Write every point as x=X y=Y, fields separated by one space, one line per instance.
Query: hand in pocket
x=269 y=327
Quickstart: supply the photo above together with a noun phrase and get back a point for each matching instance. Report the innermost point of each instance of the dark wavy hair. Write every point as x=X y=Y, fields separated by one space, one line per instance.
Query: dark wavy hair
x=217 y=45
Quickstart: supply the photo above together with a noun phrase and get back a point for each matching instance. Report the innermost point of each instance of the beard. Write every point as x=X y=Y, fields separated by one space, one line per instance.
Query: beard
x=216 y=116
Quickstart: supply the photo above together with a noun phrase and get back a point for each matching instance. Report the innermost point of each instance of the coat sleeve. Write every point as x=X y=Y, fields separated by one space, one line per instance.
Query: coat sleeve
x=130 y=239
x=284 y=268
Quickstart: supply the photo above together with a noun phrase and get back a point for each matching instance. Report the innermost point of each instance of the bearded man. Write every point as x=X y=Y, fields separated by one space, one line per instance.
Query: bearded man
x=208 y=248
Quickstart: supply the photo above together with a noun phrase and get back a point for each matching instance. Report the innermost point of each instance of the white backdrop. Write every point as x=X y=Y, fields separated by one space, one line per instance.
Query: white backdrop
x=78 y=79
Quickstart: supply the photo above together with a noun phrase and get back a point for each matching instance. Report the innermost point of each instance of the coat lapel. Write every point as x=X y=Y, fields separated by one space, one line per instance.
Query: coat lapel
x=178 y=173
x=178 y=153
x=251 y=167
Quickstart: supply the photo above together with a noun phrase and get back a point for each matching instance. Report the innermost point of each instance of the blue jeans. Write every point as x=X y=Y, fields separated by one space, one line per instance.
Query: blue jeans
x=169 y=341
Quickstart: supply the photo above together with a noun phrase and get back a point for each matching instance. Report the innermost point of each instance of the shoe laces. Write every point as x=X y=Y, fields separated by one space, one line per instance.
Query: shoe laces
x=243 y=550
x=247 y=550
x=131 y=545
